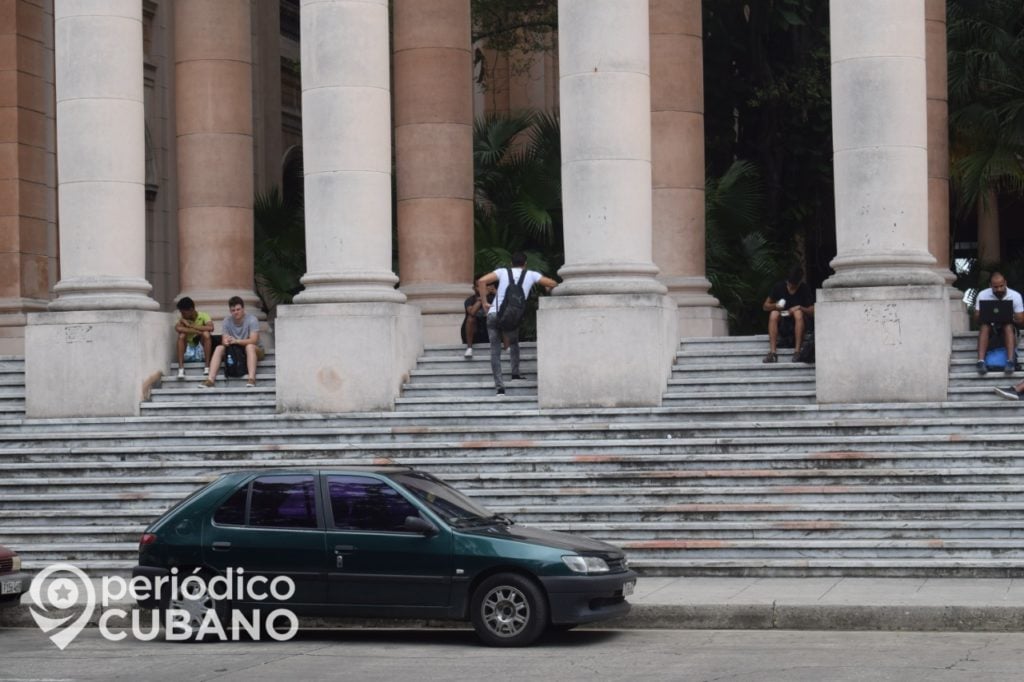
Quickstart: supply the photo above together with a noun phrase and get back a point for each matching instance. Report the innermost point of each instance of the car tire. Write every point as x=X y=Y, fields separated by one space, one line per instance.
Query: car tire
x=508 y=609
x=198 y=608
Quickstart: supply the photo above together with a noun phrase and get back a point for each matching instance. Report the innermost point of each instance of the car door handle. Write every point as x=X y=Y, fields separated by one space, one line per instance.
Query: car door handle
x=338 y=549
x=221 y=546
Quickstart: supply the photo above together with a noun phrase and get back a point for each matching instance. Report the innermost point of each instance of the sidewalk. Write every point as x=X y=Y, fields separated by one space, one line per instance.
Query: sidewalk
x=922 y=604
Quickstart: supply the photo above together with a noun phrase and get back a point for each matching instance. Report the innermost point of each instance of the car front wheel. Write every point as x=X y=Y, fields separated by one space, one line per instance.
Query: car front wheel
x=508 y=610
x=197 y=605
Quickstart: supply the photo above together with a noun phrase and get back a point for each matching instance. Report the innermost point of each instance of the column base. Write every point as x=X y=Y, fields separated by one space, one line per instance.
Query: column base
x=94 y=363
x=959 y=320
x=700 y=313
x=441 y=306
x=613 y=350
x=345 y=357
x=882 y=344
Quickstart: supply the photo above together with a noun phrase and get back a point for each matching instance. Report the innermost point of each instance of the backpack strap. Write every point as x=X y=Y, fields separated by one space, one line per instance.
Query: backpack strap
x=522 y=278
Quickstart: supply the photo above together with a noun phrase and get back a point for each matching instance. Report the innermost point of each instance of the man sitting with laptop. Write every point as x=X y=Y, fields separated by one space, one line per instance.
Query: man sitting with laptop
x=999 y=309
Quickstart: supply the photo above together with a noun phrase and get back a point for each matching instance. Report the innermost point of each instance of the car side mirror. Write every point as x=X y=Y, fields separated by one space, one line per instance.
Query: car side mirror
x=418 y=524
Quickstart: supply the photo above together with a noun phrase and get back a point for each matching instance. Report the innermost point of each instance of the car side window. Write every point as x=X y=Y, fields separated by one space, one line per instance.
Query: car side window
x=232 y=512
x=363 y=503
x=283 y=502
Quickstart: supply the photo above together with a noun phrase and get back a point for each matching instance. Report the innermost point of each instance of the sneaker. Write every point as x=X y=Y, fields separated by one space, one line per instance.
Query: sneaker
x=181 y=372
x=469 y=353
x=1010 y=368
x=251 y=383
x=206 y=383
x=981 y=367
x=518 y=377
x=206 y=371
x=500 y=391
x=1008 y=393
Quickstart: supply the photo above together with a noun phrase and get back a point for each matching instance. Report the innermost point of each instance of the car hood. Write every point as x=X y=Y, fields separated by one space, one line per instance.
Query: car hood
x=549 y=538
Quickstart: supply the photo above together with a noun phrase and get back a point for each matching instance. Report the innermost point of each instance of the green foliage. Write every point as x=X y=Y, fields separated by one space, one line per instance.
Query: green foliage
x=768 y=100
x=280 y=248
x=518 y=193
x=743 y=262
x=986 y=99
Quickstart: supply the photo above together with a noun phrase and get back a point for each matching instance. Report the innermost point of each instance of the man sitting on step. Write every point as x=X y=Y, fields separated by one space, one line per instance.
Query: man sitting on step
x=790 y=306
x=240 y=331
x=194 y=335
x=1004 y=333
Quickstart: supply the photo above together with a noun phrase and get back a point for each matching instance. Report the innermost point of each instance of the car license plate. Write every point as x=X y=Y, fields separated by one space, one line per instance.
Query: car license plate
x=10 y=587
x=627 y=588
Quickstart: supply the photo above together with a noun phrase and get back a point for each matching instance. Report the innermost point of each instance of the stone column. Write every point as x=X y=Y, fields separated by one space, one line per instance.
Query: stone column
x=677 y=153
x=213 y=115
x=883 y=331
x=366 y=339
x=609 y=336
x=434 y=160
x=28 y=173
x=93 y=354
x=938 y=157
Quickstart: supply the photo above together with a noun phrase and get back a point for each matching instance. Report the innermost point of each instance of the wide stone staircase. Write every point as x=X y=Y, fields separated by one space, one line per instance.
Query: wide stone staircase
x=739 y=472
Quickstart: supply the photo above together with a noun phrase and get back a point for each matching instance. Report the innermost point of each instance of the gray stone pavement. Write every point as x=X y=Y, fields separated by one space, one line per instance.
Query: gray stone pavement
x=922 y=604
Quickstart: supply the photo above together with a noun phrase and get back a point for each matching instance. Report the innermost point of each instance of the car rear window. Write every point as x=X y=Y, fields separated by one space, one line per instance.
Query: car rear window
x=232 y=512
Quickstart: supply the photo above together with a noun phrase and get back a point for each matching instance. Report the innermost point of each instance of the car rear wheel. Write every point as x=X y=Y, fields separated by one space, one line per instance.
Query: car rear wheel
x=508 y=610
x=197 y=605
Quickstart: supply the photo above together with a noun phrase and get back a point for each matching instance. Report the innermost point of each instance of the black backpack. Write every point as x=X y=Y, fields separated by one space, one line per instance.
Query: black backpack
x=513 y=306
x=234 y=361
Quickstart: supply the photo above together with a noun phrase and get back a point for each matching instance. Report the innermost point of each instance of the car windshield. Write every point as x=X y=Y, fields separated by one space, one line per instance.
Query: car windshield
x=447 y=502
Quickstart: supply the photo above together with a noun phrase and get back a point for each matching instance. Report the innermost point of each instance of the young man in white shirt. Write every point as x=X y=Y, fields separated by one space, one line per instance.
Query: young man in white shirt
x=501 y=276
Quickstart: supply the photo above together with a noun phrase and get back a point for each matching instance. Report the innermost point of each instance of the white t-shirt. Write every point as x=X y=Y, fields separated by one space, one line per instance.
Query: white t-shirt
x=1011 y=295
x=502 y=273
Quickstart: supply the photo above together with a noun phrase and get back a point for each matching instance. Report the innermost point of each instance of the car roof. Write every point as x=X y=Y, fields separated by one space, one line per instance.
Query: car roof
x=312 y=471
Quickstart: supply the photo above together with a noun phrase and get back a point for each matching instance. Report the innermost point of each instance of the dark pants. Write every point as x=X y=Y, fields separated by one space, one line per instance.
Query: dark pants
x=494 y=334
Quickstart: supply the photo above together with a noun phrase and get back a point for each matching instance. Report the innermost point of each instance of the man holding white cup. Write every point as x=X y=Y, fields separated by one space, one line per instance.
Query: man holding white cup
x=789 y=306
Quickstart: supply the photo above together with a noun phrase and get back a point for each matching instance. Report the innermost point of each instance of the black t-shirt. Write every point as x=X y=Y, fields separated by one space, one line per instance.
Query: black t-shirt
x=803 y=297
x=472 y=300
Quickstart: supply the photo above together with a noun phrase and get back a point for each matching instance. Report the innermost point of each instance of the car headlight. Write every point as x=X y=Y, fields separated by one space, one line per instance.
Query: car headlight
x=585 y=564
x=16 y=563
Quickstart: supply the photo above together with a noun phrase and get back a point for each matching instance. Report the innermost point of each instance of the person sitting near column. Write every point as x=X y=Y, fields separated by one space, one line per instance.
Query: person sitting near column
x=194 y=340
x=517 y=276
x=474 y=325
x=998 y=332
x=790 y=307
x=239 y=330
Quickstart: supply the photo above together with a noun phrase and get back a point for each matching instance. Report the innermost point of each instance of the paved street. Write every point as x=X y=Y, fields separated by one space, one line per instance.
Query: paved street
x=25 y=654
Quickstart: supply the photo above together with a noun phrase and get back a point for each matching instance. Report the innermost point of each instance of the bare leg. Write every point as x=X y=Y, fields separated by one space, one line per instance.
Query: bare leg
x=470 y=330
x=250 y=361
x=983 y=333
x=773 y=330
x=207 y=342
x=218 y=355
x=1010 y=340
x=181 y=350
x=798 y=333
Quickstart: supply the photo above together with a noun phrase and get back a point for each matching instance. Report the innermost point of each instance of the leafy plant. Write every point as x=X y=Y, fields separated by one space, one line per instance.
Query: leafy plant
x=280 y=248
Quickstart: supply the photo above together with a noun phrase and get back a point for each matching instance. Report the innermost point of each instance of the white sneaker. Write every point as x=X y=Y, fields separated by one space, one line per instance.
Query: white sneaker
x=206 y=371
x=181 y=372
x=469 y=352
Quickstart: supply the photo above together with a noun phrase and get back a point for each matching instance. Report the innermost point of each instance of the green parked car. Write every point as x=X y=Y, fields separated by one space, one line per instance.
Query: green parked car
x=384 y=542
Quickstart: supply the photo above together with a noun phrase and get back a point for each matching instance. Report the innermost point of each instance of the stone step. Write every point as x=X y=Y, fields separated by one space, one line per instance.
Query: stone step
x=269 y=362
x=232 y=405
x=466 y=389
x=230 y=391
x=515 y=398
x=740 y=397
x=809 y=568
x=192 y=380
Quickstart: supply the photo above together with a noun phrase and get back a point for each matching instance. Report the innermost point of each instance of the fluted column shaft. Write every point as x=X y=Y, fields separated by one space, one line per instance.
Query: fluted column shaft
x=879 y=125
x=434 y=155
x=677 y=153
x=100 y=156
x=346 y=140
x=213 y=115
x=604 y=56
x=938 y=132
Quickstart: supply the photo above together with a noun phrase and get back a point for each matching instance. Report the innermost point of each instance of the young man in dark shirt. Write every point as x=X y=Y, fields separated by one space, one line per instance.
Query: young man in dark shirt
x=789 y=306
x=474 y=325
